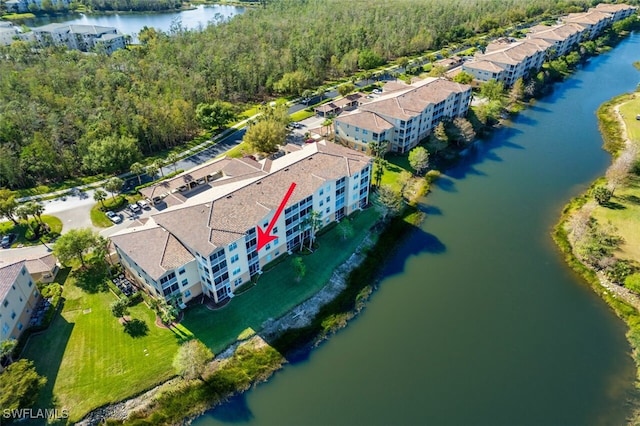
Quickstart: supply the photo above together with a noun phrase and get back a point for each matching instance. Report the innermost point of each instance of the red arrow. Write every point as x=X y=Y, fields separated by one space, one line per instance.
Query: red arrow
x=265 y=237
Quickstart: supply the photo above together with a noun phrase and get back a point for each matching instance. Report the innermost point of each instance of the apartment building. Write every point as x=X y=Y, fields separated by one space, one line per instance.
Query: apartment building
x=18 y=298
x=593 y=21
x=563 y=38
x=403 y=114
x=509 y=60
x=80 y=37
x=618 y=11
x=204 y=240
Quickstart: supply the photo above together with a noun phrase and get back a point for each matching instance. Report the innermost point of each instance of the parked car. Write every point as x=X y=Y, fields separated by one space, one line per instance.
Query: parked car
x=143 y=204
x=7 y=240
x=114 y=217
x=377 y=91
x=135 y=208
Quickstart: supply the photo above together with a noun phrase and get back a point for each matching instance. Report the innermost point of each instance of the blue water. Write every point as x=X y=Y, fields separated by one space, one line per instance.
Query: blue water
x=477 y=320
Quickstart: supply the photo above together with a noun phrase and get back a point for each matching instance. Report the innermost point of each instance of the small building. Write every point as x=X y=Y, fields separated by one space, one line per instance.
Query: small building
x=80 y=37
x=18 y=298
x=43 y=269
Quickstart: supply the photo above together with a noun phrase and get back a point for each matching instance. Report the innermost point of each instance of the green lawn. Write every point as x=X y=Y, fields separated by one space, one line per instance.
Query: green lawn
x=397 y=164
x=20 y=230
x=277 y=292
x=629 y=110
x=88 y=358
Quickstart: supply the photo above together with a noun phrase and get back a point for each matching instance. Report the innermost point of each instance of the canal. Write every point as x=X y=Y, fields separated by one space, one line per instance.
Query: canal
x=477 y=320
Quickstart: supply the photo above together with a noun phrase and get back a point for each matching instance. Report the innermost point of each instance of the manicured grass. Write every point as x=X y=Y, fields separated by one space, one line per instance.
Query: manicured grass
x=67 y=184
x=301 y=115
x=629 y=110
x=397 y=164
x=88 y=358
x=99 y=218
x=20 y=230
x=18 y=16
x=277 y=291
x=237 y=151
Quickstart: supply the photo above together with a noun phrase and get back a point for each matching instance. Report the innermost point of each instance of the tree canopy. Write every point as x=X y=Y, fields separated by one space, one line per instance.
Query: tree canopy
x=60 y=109
x=76 y=243
x=419 y=159
x=265 y=136
x=191 y=359
x=20 y=385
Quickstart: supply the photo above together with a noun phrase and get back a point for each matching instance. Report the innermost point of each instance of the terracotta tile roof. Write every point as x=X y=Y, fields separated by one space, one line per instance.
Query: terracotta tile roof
x=218 y=222
x=155 y=250
x=613 y=8
x=591 y=17
x=228 y=167
x=43 y=264
x=366 y=120
x=8 y=275
x=483 y=66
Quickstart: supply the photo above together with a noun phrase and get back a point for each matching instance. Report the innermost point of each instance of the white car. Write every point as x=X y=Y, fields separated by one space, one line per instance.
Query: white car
x=114 y=217
x=135 y=208
x=144 y=205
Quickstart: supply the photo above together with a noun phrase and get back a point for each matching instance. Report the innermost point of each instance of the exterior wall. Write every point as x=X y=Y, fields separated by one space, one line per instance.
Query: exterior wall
x=16 y=308
x=355 y=136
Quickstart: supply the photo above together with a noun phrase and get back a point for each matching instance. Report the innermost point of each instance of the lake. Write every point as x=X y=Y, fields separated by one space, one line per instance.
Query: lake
x=477 y=320
x=132 y=23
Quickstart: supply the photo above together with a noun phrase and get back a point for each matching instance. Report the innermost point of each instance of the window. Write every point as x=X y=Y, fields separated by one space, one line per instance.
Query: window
x=13 y=315
x=321 y=203
x=328 y=199
x=234 y=258
x=187 y=293
x=24 y=271
x=19 y=326
x=6 y=302
x=237 y=282
x=184 y=282
x=236 y=271
x=328 y=209
x=275 y=242
x=5 y=329
x=321 y=191
x=233 y=246
x=181 y=271
x=268 y=246
x=275 y=230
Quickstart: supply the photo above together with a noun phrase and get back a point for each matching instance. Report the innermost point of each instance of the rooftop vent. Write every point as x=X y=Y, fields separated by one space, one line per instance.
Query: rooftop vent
x=229 y=197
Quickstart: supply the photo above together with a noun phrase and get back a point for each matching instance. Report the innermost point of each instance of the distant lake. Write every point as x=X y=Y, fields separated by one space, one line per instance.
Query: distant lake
x=132 y=23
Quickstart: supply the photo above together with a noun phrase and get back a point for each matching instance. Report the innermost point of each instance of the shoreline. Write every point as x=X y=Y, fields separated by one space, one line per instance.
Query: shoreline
x=624 y=303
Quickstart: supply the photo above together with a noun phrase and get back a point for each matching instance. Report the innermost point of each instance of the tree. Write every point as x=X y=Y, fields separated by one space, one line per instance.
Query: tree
x=6 y=349
x=292 y=83
x=602 y=195
x=8 y=205
x=388 y=202
x=632 y=282
x=346 y=88
x=460 y=130
x=380 y=165
x=404 y=180
x=172 y=159
x=299 y=268
x=345 y=228
x=437 y=71
x=114 y=185
x=75 y=244
x=20 y=385
x=368 y=59
x=35 y=209
x=492 y=90
x=516 y=94
x=620 y=168
x=120 y=309
x=419 y=159
x=463 y=77
x=313 y=222
x=159 y=164
x=152 y=170
x=192 y=358
x=100 y=195
x=379 y=148
x=215 y=115
x=111 y=154
x=265 y=136
x=138 y=170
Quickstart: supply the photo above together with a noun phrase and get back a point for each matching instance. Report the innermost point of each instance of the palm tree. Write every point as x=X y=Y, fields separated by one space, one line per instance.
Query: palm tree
x=313 y=222
x=113 y=185
x=36 y=210
x=152 y=170
x=172 y=158
x=137 y=169
x=100 y=195
x=23 y=211
x=159 y=164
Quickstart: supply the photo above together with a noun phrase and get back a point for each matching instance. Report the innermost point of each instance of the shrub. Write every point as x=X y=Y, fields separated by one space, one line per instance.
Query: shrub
x=602 y=195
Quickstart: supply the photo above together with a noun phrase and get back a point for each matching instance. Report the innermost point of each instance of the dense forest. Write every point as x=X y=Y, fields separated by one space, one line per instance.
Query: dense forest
x=62 y=111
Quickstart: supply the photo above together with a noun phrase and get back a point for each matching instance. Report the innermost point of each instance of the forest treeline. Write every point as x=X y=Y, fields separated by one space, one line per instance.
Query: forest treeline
x=61 y=111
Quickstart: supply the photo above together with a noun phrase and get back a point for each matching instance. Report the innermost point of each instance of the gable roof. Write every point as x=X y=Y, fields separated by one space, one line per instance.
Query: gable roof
x=155 y=250
x=42 y=264
x=8 y=275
